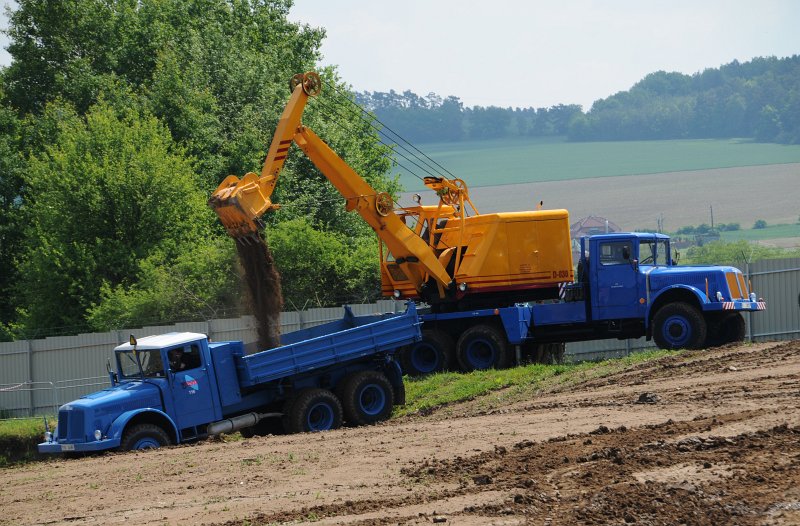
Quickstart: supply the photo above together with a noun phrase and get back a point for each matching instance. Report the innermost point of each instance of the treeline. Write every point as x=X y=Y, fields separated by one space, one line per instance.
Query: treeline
x=435 y=119
x=759 y=99
x=118 y=120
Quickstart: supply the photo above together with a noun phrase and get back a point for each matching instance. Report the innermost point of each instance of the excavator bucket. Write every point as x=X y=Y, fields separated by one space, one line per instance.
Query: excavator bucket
x=240 y=203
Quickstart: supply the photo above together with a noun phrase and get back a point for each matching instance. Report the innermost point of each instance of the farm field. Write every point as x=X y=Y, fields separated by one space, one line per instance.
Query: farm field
x=529 y=160
x=705 y=437
x=634 y=202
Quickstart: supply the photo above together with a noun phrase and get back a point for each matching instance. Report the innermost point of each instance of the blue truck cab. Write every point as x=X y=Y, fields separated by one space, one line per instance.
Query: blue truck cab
x=179 y=387
x=627 y=285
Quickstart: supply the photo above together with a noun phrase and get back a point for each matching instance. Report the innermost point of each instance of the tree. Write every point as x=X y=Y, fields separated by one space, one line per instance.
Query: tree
x=324 y=270
x=759 y=224
x=111 y=191
x=11 y=192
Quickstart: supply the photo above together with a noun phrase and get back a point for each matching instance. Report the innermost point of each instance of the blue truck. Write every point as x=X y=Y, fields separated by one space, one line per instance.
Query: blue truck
x=627 y=286
x=179 y=387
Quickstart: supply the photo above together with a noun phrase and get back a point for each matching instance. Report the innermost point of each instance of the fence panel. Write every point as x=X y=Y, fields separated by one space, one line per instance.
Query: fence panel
x=778 y=282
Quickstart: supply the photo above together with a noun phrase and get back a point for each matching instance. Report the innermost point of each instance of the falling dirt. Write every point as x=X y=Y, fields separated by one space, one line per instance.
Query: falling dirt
x=263 y=288
x=697 y=438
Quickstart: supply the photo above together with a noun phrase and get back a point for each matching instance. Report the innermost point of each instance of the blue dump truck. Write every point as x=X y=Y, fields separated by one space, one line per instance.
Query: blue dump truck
x=180 y=387
x=627 y=286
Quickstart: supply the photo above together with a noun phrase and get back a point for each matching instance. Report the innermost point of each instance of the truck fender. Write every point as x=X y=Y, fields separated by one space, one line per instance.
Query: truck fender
x=118 y=425
x=698 y=294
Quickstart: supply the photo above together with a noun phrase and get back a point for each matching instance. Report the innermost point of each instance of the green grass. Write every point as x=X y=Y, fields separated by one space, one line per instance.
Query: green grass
x=522 y=160
x=19 y=437
x=431 y=392
x=770 y=232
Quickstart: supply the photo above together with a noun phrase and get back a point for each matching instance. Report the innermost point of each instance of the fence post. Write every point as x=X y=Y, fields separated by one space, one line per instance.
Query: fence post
x=749 y=313
x=30 y=378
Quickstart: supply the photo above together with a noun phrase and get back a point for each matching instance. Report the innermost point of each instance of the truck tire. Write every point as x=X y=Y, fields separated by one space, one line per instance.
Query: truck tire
x=313 y=410
x=431 y=355
x=367 y=398
x=553 y=353
x=144 y=436
x=482 y=347
x=679 y=326
x=733 y=328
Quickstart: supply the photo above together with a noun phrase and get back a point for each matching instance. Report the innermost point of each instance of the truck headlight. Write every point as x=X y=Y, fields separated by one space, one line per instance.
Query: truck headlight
x=462 y=287
x=397 y=294
x=719 y=296
x=753 y=297
x=98 y=434
x=48 y=436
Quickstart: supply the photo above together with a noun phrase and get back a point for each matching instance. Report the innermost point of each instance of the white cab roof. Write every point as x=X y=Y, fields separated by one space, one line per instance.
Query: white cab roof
x=161 y=341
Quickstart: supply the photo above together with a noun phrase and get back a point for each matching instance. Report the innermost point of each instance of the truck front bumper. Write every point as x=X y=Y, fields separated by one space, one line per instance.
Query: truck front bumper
x=78 y=447
x=735 y=305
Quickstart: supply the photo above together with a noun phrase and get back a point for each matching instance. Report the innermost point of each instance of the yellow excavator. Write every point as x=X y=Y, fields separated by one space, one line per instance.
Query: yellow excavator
x=448 y=254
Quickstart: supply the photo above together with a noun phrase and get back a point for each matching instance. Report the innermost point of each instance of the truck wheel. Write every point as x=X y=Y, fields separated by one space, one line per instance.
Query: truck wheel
x=679 y=326
x=482 y=347
x=313 y=410
x=144 y=436
x=367 y=397
x=554 y=353
x=433 y=354
x=734 y=328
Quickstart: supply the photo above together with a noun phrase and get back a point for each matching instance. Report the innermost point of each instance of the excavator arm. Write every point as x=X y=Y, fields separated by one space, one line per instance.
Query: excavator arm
x=240 y=203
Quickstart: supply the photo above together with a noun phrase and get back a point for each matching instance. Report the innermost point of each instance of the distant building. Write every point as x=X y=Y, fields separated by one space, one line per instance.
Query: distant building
x=591 y=225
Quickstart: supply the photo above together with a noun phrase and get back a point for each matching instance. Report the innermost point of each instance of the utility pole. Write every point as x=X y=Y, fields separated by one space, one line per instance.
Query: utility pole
x=711 y=207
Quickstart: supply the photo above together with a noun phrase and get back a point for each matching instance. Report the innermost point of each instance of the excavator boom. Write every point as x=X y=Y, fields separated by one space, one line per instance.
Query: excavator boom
x=240 y=203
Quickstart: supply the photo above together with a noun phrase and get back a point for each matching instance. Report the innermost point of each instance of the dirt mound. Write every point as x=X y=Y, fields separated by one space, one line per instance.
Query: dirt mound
x=263 y=288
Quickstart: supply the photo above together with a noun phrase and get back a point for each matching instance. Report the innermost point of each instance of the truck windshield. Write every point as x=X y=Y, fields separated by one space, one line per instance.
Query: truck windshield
x=653 y=252
x=152 y=365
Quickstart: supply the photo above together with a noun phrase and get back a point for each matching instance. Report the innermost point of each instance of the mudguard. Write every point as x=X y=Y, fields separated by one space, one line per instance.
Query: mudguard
x=118 y=425
x=701 y=297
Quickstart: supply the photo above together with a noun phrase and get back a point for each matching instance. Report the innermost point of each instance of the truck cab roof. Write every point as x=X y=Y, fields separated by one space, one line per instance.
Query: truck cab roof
x=162 y=340
x=639 y=235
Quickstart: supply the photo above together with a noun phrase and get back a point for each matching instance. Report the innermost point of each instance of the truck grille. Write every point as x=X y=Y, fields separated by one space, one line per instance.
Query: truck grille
x=70 y=424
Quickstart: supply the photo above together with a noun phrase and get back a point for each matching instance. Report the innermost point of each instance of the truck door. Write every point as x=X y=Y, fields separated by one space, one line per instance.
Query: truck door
x=191 y=386
x=616 y=290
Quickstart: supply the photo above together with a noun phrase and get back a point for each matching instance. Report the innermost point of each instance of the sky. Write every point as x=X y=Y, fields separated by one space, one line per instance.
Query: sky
x=523 y=53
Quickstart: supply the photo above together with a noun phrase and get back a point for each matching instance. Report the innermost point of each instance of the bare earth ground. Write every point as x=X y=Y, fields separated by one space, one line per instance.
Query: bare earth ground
x=709 y=437
x=737 y=195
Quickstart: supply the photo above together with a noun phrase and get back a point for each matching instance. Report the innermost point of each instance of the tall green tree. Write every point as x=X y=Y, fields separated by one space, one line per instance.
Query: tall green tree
x=11 y=191
x=110 y=191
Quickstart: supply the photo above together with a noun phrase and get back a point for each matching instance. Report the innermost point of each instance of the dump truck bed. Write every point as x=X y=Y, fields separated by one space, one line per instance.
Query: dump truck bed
x=350 y=338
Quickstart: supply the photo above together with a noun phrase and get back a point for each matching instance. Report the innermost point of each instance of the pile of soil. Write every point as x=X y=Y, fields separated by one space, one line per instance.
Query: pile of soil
x=263 y=289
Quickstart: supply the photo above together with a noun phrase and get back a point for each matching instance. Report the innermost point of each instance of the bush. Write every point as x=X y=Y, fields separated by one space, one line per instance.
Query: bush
x=759 y=224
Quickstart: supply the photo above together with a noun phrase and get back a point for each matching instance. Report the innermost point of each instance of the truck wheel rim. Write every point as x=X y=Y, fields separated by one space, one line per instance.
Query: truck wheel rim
x=320 y=417
x=481 y=354
x=677 y=330
x=372 y=399
x=424 y=358
x=146 y=443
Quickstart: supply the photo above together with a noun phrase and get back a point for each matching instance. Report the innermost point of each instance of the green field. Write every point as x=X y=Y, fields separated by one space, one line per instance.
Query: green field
x=524 y=160
x=770 y=232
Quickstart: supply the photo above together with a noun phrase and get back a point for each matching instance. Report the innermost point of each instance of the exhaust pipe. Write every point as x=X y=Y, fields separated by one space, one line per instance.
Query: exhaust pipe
x=236 y=423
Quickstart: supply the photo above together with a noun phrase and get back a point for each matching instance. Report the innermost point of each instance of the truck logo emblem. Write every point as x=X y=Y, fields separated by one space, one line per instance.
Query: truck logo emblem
x=190 y=384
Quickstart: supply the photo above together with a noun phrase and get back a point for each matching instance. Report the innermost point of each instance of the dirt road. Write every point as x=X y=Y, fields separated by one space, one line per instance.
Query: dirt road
x=707 y=437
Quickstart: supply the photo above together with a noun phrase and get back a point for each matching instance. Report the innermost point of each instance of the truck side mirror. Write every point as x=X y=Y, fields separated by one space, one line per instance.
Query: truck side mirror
x=635 y=264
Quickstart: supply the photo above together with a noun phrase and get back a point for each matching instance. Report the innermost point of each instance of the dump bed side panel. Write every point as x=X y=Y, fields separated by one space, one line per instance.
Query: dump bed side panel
x=322 y=351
